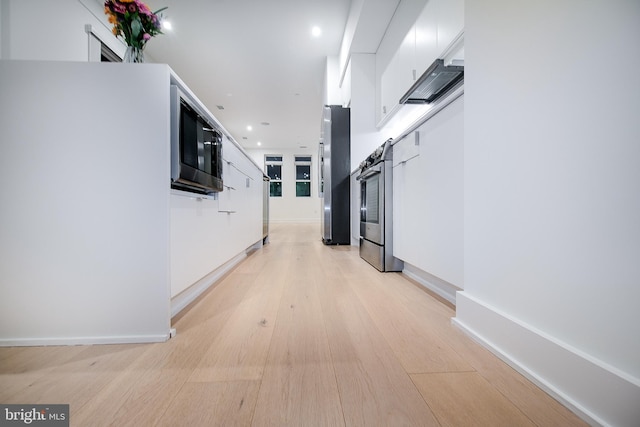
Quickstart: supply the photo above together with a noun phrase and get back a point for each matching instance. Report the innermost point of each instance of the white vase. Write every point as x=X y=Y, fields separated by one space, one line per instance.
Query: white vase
x=133 y=54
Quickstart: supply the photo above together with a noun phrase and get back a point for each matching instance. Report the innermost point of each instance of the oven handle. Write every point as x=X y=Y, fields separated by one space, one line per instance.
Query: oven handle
x=370 y=172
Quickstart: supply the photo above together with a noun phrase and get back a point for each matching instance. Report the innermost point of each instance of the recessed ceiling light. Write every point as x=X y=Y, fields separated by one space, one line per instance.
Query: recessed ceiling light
x=166 y=25
x=259 y=143
x=316 y=31
x=249 y=128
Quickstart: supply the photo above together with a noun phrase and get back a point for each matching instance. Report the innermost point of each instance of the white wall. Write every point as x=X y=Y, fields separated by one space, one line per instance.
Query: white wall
x=290 y=208
x=84 y=216
x=552 y=196
x=55 y=32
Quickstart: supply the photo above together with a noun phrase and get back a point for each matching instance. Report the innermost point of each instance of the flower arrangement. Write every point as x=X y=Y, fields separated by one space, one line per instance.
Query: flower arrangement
x=133 y=21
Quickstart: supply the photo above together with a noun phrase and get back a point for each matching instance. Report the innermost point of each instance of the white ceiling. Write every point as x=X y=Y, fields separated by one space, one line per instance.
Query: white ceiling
x=257 y=59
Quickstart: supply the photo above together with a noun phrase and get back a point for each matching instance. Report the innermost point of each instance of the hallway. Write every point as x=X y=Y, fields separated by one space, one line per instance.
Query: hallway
x=298 y=334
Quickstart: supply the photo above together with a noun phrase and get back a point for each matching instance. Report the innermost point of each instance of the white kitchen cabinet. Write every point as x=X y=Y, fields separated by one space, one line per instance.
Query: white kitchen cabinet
x=406 y=149
x=232 y=178
x=226 y=197
x=237 y=180
x=436 y=27
x=399 y=75
x=434 y=30
x=428 y=195
x=426 y=29
x=406 y=175
x=206 y=233
x=450 y=22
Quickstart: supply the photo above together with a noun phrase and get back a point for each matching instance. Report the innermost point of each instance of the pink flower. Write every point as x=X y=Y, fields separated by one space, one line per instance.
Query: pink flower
x=146 y=36
x=143 y=8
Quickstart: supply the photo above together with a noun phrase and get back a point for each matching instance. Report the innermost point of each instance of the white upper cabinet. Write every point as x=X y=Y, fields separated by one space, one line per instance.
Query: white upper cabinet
x=450 y=21
x=426 y=29
x=399 y=75
x=434 y=30
x=436 y=27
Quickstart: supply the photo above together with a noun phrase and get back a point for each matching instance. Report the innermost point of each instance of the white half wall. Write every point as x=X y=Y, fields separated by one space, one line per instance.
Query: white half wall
x=84 y=211
x=552 y=195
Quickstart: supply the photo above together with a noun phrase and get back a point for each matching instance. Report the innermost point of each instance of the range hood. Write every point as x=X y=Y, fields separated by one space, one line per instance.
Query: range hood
x=434 y=83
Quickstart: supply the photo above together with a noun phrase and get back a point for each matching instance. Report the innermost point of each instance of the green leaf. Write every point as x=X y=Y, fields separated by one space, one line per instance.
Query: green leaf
x=136 y=27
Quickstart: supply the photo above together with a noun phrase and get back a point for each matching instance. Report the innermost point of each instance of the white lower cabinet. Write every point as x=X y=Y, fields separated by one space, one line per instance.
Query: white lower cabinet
x=406 y=177
x=428 y=195
x=205 y=232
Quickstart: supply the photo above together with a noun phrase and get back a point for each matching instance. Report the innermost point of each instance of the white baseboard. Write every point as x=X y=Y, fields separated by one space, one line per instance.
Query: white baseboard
x=440 y=287
x=597 y=392
x=186 y=297
x=178 y=303
x=118 y=339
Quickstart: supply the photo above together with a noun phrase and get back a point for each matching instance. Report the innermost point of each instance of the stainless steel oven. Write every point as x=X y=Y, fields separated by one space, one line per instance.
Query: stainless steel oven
x=376 y=210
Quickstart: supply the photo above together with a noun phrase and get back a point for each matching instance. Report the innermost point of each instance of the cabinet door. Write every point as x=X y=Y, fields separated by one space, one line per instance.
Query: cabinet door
x=227 y=198
x=408 y=210
x=405 y=180
x=427 y=36
x=400 y=228
x=387 y=88
x=407 y=59
x=406 y=149
x=450 y=21
x=399 y=75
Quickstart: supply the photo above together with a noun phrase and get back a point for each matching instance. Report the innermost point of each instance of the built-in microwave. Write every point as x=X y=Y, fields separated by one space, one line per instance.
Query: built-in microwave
x=196 y=147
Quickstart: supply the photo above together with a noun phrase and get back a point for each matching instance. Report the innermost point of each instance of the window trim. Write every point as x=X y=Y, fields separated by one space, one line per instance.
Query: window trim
x=303 y=160
x=271 y=160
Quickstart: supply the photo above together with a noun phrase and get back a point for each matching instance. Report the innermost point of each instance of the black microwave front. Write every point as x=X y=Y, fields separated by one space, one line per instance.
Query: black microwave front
x=196 y=147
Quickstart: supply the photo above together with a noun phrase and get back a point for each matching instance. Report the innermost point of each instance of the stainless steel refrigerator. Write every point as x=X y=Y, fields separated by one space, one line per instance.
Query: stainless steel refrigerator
x=335 y=162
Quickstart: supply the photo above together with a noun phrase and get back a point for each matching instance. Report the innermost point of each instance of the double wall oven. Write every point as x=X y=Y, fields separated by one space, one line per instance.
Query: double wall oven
x=376 y=210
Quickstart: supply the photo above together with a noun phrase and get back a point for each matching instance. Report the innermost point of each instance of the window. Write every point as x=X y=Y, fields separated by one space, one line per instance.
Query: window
x=273 y=164
x=303 y=176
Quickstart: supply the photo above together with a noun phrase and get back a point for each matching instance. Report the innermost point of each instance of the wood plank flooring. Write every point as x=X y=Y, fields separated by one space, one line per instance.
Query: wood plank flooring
x=299 y=334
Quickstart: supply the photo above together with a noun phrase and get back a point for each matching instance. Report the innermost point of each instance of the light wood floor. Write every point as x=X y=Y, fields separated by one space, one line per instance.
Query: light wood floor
x=299 y=334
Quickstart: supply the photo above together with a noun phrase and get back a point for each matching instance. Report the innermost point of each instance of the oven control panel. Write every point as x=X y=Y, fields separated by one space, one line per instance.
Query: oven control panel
x=381 y=153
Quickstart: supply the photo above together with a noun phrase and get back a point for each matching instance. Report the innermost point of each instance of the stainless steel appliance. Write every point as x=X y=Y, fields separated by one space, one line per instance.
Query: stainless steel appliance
x=436 y=82
x=376 y=210
x=335 y=162
x=196 y=146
